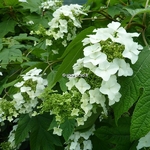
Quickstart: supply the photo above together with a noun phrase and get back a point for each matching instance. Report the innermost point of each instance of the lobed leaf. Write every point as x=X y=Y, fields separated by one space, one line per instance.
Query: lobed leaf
x=68 y=128
x=136 y=88
x=41 y=138
x=8 y=55
x=32 y=5
x=6 y=27
x=23 y=129
x=116 y=137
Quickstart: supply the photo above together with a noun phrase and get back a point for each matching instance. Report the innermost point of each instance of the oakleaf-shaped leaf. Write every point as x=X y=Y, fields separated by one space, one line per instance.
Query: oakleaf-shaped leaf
x=33 y=5
x=137 y=88
x=6 y=26
x=68 y=128
x=23 y=129
x=8 y=55
x=118 y=137
x=40 y=137
x=113 y=10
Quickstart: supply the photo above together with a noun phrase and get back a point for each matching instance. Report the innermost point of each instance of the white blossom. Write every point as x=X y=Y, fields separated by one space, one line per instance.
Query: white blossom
x=48 y=42
x=19 y=84
x=95 y=58
x=71 y=83
x=105 y=70
x=124 y=68
x=80 y=121
x=91 y=49
x=25 y=89
x=144 y=141
x=77 y=66
x=87 y=145
x=18 y=98
x=75 y=112
x=110 y=87
x=86 y=106
x=57 y=131
x=131 y=51
x=82 y=85
x=97 y=97
x=59 y=26
x=50 y=5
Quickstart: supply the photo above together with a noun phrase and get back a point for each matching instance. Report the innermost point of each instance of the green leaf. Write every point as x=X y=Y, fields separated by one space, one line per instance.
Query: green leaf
x=53 y=124
x=96 y=4
x=117 y=137
x=113 y=10
x=50 y=78
x=68 y=128
x=23 y=129
x=113 y=2
x=99 y=144
x=38 y=20
x=11 y=2
x=131 y=86
x=23 y=36
x=11 y=54
x=73 y=52
x=38 y=52
x=40 y=140
x=1 y=44
x=62 y=83
x=135 y=12
x=32 y=5
x=140 y=124
x=137 y=88
x=6 y=85
x=40 y=137
x=7 y=26
x=2 y=83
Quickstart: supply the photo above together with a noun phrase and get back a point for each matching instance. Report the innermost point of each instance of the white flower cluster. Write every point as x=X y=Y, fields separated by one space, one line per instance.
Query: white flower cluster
x=11 y=138
x=144 y=141
x=50 y=5
x=80 y=140
x=64 y=24
x=105 y=55
x=29 y=89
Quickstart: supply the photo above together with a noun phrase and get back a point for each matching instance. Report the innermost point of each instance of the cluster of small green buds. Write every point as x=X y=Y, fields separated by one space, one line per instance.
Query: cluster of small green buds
x=63 y=106
x=7 y=110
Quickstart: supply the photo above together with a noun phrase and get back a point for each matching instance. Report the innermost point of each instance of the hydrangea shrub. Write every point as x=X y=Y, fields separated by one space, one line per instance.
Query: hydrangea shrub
x=74 y=77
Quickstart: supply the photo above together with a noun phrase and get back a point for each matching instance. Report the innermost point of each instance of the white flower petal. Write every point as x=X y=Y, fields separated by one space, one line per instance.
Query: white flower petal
x=91 y=49
x=82 y=85
x=110 y=87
